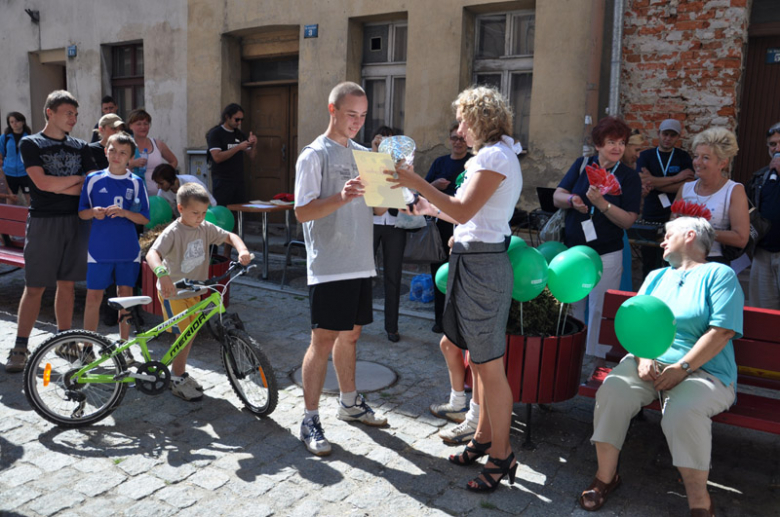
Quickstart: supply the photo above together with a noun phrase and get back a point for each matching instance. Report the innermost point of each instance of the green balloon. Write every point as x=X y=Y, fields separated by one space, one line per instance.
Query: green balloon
x=645 y=326
x=516 y=242
x=225 y=219
x=530 y=270
x=550 y=249
x=459 y=179
x=211 y=216
x=441 y=277
x=594 y=256
x=572 y=276
x=159 y=212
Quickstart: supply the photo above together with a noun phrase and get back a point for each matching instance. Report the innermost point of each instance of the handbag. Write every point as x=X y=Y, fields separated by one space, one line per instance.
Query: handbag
x=409 y=222
x=424 y=246
x=554 y=227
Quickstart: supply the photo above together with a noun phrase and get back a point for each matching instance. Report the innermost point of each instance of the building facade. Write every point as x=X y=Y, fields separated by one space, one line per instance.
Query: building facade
x=184 y=60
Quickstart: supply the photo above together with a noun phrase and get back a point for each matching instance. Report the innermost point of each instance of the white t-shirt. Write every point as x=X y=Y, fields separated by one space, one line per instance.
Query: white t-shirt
x=491 y=222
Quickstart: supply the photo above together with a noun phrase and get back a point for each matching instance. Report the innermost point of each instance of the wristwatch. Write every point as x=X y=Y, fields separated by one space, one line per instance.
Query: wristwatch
x=687 y=367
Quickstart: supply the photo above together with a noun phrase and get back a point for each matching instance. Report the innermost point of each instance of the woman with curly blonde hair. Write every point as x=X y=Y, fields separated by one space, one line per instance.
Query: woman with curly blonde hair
x=479 y=285
x=726 y=200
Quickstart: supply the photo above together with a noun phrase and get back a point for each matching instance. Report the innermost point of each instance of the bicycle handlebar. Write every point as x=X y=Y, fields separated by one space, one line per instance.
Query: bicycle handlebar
x=195 y=284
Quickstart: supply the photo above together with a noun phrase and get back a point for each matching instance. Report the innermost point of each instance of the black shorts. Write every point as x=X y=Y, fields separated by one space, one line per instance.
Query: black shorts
x=17 y=183
x=55 y=249
x=341 y=305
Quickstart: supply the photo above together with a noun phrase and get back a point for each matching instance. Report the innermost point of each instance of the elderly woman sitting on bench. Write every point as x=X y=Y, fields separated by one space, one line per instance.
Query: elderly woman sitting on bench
x=696 y=377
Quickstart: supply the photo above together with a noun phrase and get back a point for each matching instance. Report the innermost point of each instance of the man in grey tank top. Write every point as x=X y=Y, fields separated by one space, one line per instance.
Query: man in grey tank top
x=338 y=230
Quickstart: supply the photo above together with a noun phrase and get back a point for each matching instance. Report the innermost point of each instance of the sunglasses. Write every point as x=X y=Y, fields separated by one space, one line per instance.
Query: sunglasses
x=773 y=131
x=238 y=119
x=457 y=139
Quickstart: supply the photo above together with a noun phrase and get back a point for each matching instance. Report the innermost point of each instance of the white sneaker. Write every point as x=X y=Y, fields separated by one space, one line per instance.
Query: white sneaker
x=360 y=412
x=313 y=437
x=450 y=412
x=459 y=434
x=186 y=389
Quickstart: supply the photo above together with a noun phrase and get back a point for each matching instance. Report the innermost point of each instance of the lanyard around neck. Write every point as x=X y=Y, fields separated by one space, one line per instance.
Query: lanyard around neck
x=661 y=163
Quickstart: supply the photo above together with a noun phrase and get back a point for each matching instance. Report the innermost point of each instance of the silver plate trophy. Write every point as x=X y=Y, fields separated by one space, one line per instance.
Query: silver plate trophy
x=400 y=148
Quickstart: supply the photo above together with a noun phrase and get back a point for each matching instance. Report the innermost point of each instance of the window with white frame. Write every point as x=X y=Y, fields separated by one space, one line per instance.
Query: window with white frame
x=504 y=59
x=384 y=76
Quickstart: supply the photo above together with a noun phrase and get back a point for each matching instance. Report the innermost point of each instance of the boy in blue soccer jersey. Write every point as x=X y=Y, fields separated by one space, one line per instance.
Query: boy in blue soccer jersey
x=117 y=201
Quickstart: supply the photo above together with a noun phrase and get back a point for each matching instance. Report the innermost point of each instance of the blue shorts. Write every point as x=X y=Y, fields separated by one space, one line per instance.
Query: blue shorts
x=102 y=274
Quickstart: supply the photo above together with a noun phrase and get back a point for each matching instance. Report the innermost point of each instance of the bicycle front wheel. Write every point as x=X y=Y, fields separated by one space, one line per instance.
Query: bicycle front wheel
x=52 y=389
x=249 y=372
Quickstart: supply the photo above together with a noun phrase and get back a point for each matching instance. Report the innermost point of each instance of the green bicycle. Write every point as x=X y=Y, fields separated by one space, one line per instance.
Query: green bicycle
x=78 y=377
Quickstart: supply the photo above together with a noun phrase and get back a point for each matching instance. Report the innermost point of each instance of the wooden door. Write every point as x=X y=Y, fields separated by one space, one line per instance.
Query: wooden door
x=274 y=120
x=759 y=107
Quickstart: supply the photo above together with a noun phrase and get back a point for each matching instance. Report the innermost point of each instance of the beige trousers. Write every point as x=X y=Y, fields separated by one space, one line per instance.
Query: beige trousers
x=687 y=411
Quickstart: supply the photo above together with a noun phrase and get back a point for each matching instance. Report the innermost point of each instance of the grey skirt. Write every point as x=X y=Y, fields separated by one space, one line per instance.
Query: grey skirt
x=479 y=293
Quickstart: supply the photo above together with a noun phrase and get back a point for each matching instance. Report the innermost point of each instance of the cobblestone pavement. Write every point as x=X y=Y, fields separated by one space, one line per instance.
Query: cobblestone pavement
x=164 y=456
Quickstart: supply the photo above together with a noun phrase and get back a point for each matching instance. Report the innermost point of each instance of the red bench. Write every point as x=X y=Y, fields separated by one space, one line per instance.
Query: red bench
x=757 y=354
x=13 y=223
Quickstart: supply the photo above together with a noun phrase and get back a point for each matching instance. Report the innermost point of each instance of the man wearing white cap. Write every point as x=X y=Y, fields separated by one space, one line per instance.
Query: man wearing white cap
x=662 y=170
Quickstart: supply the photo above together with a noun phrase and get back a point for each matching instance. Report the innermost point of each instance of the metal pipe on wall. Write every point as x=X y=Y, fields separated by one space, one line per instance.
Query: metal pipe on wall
x=617 y=51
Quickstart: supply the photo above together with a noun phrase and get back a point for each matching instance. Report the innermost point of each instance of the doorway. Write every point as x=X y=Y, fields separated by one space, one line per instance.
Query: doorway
x=274 y=120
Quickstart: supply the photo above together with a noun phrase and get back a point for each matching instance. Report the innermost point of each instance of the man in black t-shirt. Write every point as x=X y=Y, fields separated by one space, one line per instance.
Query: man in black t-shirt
x=55 y=251
x=227 y=145
x=764 y=193
x=663 y=170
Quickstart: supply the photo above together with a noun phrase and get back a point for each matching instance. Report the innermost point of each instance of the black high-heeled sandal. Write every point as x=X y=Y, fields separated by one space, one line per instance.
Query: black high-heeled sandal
x=487 y=483
x=470 y=454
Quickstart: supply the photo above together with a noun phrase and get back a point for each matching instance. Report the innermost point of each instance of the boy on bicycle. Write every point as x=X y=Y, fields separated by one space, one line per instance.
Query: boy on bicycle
x=182 y=251
x=117 y=201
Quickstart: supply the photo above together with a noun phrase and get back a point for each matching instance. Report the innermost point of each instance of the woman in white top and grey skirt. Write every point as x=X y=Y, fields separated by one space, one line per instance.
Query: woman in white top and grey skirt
x=479 y=286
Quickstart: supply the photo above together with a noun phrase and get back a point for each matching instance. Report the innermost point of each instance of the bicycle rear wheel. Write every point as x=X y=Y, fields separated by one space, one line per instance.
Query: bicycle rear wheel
x=51 y=388
x=249 y=372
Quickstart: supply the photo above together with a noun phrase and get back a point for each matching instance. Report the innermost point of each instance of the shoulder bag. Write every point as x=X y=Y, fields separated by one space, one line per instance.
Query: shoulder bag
x=424 y=246
x=553 y=229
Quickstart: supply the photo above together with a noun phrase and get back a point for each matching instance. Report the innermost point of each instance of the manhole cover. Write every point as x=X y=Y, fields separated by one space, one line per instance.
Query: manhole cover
x=369 y=377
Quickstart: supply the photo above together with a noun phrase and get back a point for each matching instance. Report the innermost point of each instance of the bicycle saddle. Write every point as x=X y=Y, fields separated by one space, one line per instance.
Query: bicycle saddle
x=125 y=302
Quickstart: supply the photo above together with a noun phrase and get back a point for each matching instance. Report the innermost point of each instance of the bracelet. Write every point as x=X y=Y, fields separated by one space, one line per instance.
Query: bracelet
x=570 y=203
x=161 y=271
x=438 y=213
x=609 y=205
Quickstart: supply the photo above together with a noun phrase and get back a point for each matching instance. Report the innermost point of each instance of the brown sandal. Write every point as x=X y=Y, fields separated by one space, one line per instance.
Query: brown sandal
x=597 y=492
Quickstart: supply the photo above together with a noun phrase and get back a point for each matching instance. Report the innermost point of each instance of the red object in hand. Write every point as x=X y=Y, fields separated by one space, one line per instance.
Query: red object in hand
x=690 y=209
x=604 y=181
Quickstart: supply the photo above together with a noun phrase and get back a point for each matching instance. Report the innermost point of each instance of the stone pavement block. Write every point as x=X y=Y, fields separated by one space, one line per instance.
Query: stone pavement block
x=371 y=497
x=235 y=507
x=307 y=508
x=283 y=498
x=181 y=495
x=171 y=473
x=107 y=506
x=53 y=502
x=91 y=465
x=209 y=478
x=458 y=501
x=8 y=421
x=137 y=464
x=149 y=507
x=15 y=497
x=338 y=491
x=96 y=484
x=140 y=486
x=19 y=475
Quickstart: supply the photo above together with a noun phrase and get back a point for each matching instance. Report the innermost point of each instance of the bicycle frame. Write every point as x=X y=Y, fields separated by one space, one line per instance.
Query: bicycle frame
x=204 y=311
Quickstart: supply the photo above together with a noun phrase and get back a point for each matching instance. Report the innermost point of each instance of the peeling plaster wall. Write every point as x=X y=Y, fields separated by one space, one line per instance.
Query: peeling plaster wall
x=162 y=26
x=683 y=59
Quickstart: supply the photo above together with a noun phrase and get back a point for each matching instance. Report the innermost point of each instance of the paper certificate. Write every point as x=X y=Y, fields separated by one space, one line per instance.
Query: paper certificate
x=371 y=167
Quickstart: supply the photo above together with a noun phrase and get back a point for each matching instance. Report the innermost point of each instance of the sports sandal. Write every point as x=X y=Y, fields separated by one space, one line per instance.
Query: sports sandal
x=17 y=358
x=597 y=493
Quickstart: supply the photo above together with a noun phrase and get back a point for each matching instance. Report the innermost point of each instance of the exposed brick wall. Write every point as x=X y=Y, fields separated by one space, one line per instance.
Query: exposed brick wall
x=682 y=59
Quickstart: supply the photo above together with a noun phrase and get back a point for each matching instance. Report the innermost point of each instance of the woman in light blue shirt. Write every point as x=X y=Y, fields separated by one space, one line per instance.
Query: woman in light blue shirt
x=696 y=377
